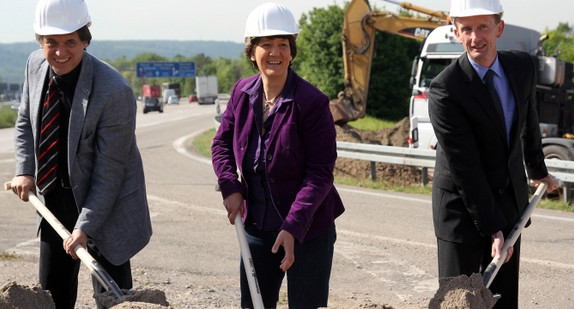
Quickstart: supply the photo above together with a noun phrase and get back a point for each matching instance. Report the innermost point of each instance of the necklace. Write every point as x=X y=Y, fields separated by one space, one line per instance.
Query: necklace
x=268 y=104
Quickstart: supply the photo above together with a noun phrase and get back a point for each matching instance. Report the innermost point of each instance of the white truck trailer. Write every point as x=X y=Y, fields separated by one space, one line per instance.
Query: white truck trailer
x=206 y=89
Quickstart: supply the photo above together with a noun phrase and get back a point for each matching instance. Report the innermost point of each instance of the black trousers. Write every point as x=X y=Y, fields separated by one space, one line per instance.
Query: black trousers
x=58 y=271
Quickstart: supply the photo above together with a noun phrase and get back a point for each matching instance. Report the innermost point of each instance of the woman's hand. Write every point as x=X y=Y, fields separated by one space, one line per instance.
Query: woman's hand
x=286 y=240
x=234 y=205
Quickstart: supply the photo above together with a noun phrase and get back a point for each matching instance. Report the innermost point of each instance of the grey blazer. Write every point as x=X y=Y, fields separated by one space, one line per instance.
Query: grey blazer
x=104 y=163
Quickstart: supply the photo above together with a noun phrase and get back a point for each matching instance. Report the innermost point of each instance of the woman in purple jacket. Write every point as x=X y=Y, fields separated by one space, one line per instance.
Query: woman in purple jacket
x=278 y=133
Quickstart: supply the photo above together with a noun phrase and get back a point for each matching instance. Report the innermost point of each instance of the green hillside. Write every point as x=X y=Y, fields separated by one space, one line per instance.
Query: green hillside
x=14 y=55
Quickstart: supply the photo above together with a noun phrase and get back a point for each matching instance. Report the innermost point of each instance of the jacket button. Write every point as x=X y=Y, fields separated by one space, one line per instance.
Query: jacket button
x=269 y=157
x=272 y=180
x=500 y=191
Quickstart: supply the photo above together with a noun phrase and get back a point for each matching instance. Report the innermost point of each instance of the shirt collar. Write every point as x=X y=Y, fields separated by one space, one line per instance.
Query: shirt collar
x=255 y=88
x=481 y=71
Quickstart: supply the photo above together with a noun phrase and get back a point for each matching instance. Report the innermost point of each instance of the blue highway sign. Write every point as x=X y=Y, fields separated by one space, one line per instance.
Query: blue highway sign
x=165 y=69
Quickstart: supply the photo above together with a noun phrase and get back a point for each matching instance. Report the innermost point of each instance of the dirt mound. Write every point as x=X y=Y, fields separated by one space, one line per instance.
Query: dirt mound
x=395 y=136
x=462 y=292
x=144 y=299
x=393 y=174
x=13 y=295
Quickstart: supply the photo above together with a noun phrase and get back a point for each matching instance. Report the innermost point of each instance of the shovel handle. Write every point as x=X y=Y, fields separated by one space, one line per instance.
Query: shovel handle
x=248 y=264
x=494 y=266
x=95 y=269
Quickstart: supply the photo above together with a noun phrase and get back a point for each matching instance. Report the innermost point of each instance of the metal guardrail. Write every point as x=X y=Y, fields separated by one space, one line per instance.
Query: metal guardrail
x=425 y=158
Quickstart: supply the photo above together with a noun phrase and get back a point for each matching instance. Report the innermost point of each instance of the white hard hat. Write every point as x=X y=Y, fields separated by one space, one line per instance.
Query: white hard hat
x=54 y=17
x=270 y=19
x=463 y=8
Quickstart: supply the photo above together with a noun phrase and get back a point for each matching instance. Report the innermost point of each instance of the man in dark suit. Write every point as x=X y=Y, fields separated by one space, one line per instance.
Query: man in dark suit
x=480 y=187
x=93 y=180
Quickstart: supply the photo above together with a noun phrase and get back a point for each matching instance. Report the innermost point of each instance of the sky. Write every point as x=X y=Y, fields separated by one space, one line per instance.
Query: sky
x=224 y=20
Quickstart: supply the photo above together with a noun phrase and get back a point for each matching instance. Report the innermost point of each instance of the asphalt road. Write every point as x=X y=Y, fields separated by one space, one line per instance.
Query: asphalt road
x=385 y=251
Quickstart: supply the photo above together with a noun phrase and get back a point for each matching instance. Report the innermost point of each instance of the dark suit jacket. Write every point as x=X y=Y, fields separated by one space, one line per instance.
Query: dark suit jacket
x=104 y=163
x=474 y=166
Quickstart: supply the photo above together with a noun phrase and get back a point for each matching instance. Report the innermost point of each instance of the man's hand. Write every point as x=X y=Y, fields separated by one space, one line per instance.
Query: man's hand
x=552 y=182
x=77 y=238
x=233 y=204
x=21 y=185
x=497 y=243
x=286 y=240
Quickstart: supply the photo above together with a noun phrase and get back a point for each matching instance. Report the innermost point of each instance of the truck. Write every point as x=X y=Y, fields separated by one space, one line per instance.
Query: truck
x=206 y=89
x=151 y=91
x=152 y=98
x=554 y=94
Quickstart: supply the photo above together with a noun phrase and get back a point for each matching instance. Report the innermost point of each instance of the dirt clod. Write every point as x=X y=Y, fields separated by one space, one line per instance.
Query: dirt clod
x=142 y=299
x=13 y=295
x=462 y=292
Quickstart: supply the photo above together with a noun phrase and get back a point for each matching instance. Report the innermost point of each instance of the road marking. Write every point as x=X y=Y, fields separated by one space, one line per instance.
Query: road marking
x=219 y=212
x=547 y=263
x=425 y=201
x=179 y=145
x=382 y=238
x=553 y=218
x=386 y=195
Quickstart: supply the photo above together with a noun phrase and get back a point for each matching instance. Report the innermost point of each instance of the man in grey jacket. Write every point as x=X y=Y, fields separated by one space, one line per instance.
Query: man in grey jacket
x=90 y=174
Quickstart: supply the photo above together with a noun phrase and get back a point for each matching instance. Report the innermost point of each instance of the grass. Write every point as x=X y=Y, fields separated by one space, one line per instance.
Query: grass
x=369 y=123
x=202 y=144
x=7 y=117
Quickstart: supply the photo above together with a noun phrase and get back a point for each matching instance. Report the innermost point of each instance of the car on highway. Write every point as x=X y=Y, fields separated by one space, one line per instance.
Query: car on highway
x=192 y=98
x=220 y=106
x=172 y=99
x=152 y=104
x=15 y=105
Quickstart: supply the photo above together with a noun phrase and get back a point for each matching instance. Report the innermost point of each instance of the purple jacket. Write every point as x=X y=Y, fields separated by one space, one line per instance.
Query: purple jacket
x=301 y=154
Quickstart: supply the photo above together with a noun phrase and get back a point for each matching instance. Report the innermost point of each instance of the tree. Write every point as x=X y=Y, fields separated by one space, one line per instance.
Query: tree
x=319 y=53
x=389 y=87
x=560 y=42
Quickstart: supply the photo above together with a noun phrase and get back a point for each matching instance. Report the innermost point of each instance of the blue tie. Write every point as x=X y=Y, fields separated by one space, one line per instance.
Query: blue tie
x=489 y=79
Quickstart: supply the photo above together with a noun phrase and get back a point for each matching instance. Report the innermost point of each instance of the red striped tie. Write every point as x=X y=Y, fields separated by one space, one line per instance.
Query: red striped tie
x=49 y=138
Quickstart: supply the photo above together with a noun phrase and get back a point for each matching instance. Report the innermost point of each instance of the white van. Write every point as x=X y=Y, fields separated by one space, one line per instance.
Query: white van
x=167 y=93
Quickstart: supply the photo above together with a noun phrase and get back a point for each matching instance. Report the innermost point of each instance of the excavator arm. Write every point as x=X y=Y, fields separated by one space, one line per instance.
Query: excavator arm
x=359 y=26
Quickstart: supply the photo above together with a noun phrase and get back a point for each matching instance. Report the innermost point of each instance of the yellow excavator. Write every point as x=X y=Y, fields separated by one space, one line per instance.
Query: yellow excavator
x=359 y=26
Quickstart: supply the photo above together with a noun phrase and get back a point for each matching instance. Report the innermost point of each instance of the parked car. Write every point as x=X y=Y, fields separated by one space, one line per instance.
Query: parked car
x=192 y=98
x=172 y=99
x=220 y=105
x=152 y=104
x=15 y=105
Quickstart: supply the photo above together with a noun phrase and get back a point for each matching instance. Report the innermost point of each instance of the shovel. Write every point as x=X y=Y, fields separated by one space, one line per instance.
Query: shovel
x=95 y=269
x=494 y=266
x=254 y=290
x=248 y=263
